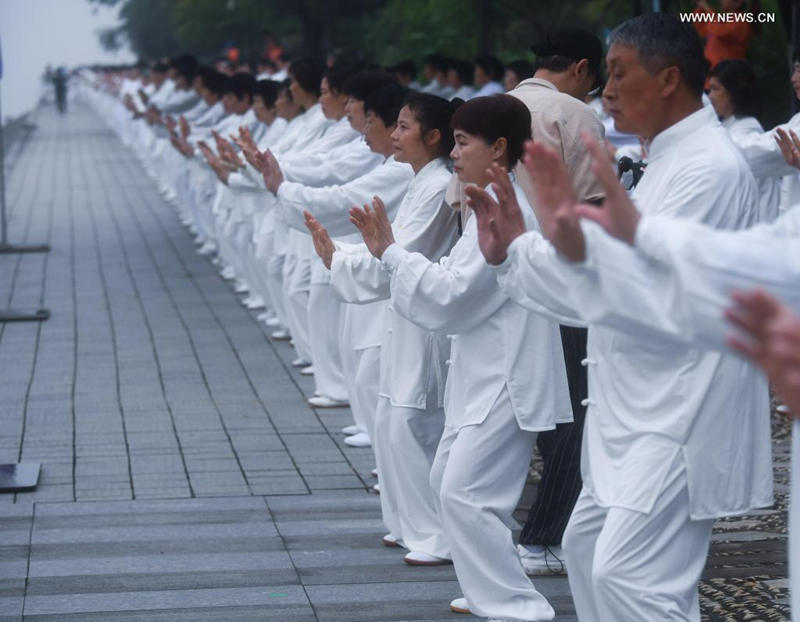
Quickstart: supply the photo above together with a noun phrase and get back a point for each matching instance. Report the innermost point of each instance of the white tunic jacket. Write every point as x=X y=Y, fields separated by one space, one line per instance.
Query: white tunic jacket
x=651 y=398
x=412 y=359
x=496 y=344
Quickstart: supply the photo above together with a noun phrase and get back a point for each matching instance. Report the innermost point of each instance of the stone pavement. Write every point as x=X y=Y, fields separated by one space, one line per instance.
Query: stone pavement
x=184 y=477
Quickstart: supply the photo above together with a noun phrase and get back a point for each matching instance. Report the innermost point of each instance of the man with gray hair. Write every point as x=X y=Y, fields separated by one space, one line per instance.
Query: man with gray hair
x=675 y=435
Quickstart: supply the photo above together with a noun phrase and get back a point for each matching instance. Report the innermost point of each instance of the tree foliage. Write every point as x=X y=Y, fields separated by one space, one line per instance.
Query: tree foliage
x=386 y=31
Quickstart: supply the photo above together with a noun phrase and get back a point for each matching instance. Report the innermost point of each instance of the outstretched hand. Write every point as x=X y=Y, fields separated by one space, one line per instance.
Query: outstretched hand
x=790 y=146
x=556 y=204
x=374 y=226
x=618 y=215
x=321 y=238
x=769 y=336
x=499 y=222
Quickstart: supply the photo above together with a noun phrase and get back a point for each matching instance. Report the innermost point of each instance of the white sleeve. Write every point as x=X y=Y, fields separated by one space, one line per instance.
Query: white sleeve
x=762 y=152
x=450 y=296
x=331 y=205
x=358 y=277
x=534 y=277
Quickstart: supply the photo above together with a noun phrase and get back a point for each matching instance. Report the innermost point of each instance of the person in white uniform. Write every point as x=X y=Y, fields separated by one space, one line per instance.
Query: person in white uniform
x=506 y=383
x=488 y=76
x=410 y=417
x=686 y=274
x=675 y=436
x=733 y=91
x=362 y=325
x=330 y=164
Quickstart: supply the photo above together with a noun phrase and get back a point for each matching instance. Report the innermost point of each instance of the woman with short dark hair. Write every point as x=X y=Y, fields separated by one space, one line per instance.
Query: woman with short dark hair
x=734 y=93
x=506 y=379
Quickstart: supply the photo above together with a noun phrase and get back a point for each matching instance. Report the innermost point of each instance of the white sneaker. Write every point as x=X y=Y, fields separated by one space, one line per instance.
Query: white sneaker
x=227 y=273
x=376 y=488
x=391 y=541
x=374 y=473
x=241 y=288
x=358 y=440
x=542 y=560
x=298 y=362
x=323 y=401
x=783 y=409
x=307 y=371
x=418 y=558
x=254 y=302
x=272 y=322
x=281 y=335
x=264 y=317
x=352 y=429
x=459 y=605
x=207 y=248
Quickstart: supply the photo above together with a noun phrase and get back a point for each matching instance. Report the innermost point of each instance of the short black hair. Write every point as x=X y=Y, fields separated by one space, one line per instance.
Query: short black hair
x=267 y=90
x=241 y=85
x=662 y=40
x=563 y=46
x=386 y=102
x=437 y=62
x=493 y=117
x=739 y=79
x=362 y=84
x=434 y=113
x=523 y=69
x=159 y=68
x=464 y=70
x=405 y=68
x=307 y=72
x=491 y=65
x=214 y=81
x=338 y=75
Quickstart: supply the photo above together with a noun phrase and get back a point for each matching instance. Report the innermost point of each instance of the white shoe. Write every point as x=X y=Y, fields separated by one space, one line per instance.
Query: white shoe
x=459 y=605
x=207 y=248
x=352 y=429
x=254 y=302
x=541 y=560
x=307 y=371
x=391 y=541
x=227 y=273
x=376 y=488
x=241 y=288
x=264 y=317
x=358 y=440
x=298 y=362
x=323 y=401
x=281 y=335
x=783 y=409
x=418 y=558
x=374 y=473
x=272 y=322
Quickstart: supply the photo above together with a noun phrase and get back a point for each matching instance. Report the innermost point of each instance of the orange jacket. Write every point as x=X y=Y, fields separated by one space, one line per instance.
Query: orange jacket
x=724 y=40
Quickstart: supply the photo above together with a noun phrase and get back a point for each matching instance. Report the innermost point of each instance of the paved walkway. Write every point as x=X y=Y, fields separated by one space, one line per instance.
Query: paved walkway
x=184 y=477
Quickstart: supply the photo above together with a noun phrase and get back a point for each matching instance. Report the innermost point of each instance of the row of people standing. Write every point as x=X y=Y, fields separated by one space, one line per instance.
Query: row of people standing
x=456 y=369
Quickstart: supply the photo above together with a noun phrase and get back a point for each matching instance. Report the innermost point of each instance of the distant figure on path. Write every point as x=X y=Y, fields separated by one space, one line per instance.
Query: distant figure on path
x=59 y=78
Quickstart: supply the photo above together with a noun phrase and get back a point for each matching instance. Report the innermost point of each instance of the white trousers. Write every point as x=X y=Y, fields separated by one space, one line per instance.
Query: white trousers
x=324 y=320
x=405 y=440
x=296 y=284
x=479 y=472
x=628 y=566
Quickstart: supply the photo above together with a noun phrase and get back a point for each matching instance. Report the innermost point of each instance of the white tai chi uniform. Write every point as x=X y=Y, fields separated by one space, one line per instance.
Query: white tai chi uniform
x=764 y=157
x=339 y=156
x=674 y=436
x=410 y=417
x=769 y=188
x=361 y=325
x=507 y=382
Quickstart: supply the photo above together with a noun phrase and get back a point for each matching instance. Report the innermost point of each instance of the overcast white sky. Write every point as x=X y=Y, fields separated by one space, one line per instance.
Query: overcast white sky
x=35 y=33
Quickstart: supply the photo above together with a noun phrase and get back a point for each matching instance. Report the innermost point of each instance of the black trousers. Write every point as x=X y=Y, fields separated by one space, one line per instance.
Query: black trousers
x=561 y=453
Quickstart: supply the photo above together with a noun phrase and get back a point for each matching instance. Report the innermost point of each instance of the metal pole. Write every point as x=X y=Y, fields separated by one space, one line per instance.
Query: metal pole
x=3 y=222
